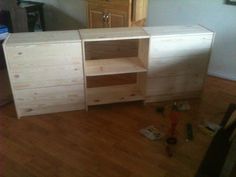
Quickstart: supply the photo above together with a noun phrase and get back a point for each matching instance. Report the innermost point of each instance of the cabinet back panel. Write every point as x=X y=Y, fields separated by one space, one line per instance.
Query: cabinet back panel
x=111 y=49
x=119 y=79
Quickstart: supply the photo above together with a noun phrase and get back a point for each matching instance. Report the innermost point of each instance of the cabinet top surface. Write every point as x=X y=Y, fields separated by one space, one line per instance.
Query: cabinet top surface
x=43 y=37
x=177 y=30
x=104 y=34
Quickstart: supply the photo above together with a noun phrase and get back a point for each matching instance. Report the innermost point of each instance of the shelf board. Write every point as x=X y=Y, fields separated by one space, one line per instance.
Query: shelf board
x=113 y=94
x=105 y=34
x=114 y=66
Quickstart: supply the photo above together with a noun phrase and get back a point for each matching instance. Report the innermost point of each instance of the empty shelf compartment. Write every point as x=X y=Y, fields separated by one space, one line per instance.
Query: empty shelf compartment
x=113 y=94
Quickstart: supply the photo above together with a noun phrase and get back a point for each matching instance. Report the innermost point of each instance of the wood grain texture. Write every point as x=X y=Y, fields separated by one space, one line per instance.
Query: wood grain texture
x=111 y=49
x=106 y=141
x=46 y=75
x=44 y=37
x=178 y=62
x=114 y=66
x=108 y=34
x=175 y=31
x=49 y=100
x=180 y=46
x=114 y=94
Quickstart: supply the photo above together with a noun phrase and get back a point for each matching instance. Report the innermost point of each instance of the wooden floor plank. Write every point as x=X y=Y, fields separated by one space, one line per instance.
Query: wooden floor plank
x=105 y=141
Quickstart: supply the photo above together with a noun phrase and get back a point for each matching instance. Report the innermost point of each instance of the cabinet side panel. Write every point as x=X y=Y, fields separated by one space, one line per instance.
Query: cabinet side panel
x=9 y=69
x=177 y=67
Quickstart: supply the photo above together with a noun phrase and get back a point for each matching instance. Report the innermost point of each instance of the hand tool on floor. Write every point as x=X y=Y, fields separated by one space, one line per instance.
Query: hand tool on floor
x=172 y=139
x=189 y=132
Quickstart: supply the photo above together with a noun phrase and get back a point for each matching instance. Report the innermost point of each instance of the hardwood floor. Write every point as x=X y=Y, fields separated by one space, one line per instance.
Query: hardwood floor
x=105 y=142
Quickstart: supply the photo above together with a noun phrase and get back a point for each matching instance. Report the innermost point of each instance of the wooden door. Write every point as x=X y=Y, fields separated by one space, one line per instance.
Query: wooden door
x=96 y=17
x=117 y=18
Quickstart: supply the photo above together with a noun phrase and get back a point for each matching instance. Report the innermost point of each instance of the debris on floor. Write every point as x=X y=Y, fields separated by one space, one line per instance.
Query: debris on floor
x=209 y=128
x=161 y=110
x=231 y=120
x=151 y=132
x=183 y=106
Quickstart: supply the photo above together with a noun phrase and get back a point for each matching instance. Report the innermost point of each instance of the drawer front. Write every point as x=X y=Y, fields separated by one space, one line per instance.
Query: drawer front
x=44 y=55
x=174 y=85
x=161 y=47
x=49 y=100
x=178 y=66
x=30 y=78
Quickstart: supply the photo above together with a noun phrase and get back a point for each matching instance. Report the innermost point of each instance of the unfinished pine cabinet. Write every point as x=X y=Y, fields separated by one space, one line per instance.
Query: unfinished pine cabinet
x=112 y=53
x=46 y=72
x=116 y=13
x=71 y=70
x=178 y=61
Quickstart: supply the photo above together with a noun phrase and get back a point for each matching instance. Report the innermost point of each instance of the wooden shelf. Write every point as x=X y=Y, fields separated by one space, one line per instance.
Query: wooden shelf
x=114 y=66
x=109 y=34
x=113 y=94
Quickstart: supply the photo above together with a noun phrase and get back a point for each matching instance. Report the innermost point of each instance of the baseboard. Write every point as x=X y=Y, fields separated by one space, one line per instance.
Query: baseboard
x=222 y=75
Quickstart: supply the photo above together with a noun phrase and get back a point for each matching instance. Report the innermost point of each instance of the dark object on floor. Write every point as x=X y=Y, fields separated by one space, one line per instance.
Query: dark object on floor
x=215 y=157
x=171 y=140
x=160 y=109
x=189 y=132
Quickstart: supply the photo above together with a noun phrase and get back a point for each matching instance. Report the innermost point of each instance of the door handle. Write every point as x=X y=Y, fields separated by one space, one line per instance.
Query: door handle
x=107 y=18
x=104 y=18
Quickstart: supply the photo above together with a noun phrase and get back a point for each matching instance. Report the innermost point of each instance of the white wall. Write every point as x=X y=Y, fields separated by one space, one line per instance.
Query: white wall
x=64 y=14
x=213 y=14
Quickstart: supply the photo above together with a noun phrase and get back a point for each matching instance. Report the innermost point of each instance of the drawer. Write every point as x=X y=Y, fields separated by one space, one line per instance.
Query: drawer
x=180 y=46
x=49 y=100
x=173 y=85
x=29 y=78
x=178 y=66
x=44 y=55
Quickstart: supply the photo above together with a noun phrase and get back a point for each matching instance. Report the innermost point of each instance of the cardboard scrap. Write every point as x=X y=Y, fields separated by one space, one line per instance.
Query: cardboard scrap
x=209 y=128
x=231 y=120
x=151 y=133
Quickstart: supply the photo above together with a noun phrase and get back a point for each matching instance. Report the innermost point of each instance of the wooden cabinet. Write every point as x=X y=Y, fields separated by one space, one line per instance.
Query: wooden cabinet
x=178 y=62
x=114 y=13
x=46 y=72
x=71 y=70
x=117 y=18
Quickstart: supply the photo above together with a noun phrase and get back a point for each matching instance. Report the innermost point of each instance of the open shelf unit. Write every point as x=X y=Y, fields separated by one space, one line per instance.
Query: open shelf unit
x=113 y=52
